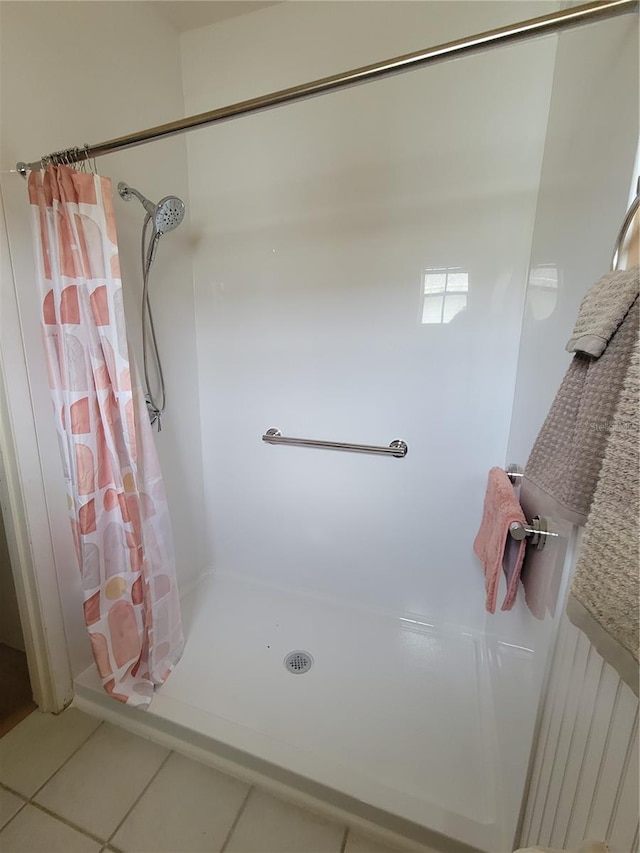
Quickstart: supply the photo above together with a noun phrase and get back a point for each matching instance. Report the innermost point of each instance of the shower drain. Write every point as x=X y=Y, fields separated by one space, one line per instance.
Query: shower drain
x=298 y=662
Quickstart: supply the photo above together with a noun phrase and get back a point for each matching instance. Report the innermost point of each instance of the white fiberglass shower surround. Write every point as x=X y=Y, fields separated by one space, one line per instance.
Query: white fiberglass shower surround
x=367 y=266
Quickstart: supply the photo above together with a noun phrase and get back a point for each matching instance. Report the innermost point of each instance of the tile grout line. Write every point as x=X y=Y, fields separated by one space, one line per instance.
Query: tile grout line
x=139 y=797
x=29 y=800
x=13 y=816
x=343 y=847
x=106 y=842
x=66 y=761
x=237 y=819
x=68 y=823
x=13 y=791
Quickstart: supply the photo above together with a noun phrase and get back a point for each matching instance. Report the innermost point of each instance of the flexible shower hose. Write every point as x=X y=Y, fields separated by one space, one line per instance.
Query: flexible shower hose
x=148 y=253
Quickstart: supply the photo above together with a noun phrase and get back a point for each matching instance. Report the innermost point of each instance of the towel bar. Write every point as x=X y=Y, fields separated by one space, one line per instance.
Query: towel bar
x=537 y=533
x=397 y=448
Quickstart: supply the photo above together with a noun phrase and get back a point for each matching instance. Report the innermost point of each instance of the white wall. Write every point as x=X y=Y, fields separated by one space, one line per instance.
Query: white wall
x=588 y=167
x=315 y=224
x=84 y=72
x=591 y=143
x=592 y=138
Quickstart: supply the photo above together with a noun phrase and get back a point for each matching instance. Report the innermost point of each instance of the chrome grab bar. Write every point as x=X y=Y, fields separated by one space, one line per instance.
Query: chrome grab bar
x=397 y=448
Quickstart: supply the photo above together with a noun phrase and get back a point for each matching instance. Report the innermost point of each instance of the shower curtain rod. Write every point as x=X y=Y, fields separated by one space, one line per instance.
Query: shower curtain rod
x=531 y=28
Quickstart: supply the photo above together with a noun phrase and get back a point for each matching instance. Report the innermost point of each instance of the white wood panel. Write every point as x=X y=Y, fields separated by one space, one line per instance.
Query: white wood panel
x=622 y=836
x=562 y=665
x=595 y=748
x=577 y=751
x=613 y=763
x=585 y=773
x=563 y=744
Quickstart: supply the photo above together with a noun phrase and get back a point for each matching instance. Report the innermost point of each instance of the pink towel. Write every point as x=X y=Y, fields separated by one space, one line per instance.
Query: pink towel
x=493 y=545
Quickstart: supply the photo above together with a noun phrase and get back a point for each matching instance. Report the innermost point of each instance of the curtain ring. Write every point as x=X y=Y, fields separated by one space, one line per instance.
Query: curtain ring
x=92 y=163
x=87 y=161
x=90 y=160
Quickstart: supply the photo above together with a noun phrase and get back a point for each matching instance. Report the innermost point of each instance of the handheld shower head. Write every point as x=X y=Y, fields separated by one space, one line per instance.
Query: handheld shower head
x=169 y=214
x=166 y=215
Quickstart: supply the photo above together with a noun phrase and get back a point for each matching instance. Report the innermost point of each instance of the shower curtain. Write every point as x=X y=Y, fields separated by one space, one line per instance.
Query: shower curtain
x=115 y=494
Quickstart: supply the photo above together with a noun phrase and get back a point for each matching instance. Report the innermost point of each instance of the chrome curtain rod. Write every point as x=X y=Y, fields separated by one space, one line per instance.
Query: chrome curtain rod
x=531 y=28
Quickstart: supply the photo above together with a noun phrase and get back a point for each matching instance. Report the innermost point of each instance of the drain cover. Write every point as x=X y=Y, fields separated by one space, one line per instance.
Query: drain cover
x=298 y=662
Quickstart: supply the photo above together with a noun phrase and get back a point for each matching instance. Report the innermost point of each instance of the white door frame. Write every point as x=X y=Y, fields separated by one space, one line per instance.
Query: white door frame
x=24 y=505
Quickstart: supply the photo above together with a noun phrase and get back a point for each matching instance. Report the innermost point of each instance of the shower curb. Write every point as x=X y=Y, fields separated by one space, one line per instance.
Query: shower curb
x=401 y=834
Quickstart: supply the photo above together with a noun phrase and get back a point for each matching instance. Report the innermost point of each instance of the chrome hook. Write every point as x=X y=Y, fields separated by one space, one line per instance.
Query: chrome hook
x=537 y=533
x=93 y=168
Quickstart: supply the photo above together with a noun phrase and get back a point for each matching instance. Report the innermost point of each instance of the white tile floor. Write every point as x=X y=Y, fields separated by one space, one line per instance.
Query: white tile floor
x=71 y=784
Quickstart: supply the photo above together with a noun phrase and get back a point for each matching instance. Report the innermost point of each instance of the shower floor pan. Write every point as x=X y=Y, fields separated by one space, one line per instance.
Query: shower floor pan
x=395 y=713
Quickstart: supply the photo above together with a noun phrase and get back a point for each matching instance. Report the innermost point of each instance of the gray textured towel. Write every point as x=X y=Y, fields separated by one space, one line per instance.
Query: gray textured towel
x=567 y=455
x=603 y=309
x=604 y=594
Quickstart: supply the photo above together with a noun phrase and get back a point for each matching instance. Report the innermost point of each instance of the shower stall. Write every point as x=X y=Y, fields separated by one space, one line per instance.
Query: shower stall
x=400 y=261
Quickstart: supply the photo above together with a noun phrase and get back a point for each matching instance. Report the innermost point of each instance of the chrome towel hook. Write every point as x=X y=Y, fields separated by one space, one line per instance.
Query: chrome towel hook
x=514 y=473
x=537 y=532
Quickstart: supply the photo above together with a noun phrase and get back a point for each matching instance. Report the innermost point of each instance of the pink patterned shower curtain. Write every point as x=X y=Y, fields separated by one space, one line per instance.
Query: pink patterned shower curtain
x=119 y=514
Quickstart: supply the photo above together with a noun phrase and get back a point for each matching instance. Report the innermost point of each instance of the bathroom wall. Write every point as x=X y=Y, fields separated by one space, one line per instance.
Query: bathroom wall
x=84 y=72
x=588 y=169
x=324 y=232
x=592 y=138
